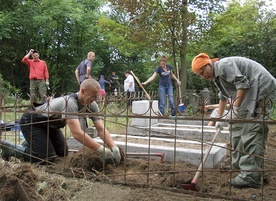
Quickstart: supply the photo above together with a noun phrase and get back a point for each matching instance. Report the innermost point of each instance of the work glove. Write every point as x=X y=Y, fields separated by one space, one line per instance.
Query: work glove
x=219 y=125
x=105 y=154
x=235 y=112
x=116 y=154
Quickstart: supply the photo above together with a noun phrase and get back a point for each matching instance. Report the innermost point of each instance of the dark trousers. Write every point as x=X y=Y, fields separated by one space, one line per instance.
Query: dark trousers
x=44 y=143
x=130 y=97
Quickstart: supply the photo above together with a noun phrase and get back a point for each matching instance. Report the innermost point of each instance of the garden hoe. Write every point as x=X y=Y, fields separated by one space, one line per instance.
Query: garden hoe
x=191 y=185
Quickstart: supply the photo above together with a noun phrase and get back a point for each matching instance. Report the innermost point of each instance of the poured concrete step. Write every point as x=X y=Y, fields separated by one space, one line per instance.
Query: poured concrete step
x=182 y=150
x=184 y=131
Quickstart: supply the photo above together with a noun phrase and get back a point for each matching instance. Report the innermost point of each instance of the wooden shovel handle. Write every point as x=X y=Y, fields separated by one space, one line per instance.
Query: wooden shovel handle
x=137 y=79
x=206 y=156
x=179 y=89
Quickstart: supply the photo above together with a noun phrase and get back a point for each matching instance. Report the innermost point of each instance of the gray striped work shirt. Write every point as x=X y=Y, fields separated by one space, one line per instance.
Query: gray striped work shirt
x=233 y=73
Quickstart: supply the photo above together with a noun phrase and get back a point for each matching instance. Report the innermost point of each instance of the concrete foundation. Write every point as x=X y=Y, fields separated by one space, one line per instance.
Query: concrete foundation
x=174 y=149
x=183 y=131
x=145 y=108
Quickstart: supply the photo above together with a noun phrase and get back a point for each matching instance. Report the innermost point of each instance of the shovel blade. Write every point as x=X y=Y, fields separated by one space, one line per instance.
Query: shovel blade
x=191 y=187
x=181 y=107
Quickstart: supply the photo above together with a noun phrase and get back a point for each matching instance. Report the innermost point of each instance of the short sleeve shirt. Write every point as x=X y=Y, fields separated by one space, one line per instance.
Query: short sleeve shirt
x=82 y=68
x=128 y=80
x=66 y=107
x=165 y=76
x=114 y=80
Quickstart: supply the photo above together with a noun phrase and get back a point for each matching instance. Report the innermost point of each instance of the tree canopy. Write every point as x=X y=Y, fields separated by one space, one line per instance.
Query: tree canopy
x=131 y=35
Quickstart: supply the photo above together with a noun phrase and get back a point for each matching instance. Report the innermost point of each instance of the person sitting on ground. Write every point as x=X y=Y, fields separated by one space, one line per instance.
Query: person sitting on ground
x=44 y=137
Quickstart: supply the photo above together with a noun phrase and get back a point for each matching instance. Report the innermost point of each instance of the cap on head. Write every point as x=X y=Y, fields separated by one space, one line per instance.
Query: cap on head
x=200 y=61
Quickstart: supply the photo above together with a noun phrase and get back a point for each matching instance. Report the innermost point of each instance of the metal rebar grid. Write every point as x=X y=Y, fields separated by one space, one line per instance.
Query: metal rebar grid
x=118 y=116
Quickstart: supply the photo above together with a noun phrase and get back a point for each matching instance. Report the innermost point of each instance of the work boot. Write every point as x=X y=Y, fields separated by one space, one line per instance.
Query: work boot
x=9 y=150
x=238 y=182
x=229 y=168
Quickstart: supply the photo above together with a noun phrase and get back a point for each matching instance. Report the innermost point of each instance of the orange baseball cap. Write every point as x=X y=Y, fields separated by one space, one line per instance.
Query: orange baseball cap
x=200 y=61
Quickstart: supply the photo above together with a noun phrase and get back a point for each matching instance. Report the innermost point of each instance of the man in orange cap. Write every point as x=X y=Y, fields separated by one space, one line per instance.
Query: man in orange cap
x=252 y=89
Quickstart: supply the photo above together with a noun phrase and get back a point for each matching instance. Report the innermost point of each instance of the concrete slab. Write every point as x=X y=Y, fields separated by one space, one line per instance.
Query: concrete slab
x=180 y=150
x=191 y=132
x=145 y=108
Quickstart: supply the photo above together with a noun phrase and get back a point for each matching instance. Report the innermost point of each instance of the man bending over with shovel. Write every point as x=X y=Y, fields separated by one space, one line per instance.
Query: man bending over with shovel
x=252 y=89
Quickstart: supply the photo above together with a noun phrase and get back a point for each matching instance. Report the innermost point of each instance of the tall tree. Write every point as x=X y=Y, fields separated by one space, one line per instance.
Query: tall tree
x=62 y=30
x=166 y=25
x=246 y=29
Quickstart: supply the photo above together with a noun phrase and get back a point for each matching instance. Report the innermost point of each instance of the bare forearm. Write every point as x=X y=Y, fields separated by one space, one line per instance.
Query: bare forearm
x=150 y=79
x=174 y=77
x=105 y=136
x=213 y=106
x=86 y=140
x=240 y=97
x=222 y=105
x=88 y=72
x=77 y=75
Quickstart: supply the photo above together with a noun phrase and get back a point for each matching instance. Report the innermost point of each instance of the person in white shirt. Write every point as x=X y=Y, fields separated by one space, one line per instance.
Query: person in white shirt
x=129 y=86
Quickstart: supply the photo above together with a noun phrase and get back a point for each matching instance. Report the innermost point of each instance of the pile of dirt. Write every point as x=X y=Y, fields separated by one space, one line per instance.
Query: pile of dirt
x=83 y=176
x=16 y=182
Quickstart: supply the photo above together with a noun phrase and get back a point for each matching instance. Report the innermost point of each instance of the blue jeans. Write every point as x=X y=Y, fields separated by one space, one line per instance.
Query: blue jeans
x=163 y=91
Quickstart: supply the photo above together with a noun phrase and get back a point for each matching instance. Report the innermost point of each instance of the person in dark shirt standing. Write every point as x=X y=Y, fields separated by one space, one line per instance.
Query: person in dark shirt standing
x=84 y=69
x=114 y=81
x=165 y=85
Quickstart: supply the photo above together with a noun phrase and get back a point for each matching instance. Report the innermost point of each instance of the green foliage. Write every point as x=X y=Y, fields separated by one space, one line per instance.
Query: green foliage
x=126 y=36
x=63 y=32
x=6 y=88
x=244 y=30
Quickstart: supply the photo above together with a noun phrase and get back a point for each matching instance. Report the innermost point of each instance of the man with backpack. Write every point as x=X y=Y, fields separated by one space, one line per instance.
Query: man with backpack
x=41 y=127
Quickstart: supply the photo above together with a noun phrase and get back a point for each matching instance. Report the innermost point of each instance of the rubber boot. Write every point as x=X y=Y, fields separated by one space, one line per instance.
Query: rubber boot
x=9 y=150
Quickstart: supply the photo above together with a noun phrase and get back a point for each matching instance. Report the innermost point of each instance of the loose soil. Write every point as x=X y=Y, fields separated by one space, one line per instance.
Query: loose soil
x=82 y=176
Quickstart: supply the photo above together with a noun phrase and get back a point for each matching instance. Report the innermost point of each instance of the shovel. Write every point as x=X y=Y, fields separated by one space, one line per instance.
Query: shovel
x=181 y=106
x=191 y=185
x=146 y=93
x=140 y=84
